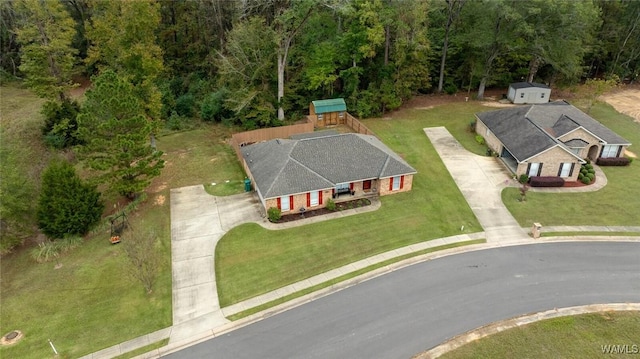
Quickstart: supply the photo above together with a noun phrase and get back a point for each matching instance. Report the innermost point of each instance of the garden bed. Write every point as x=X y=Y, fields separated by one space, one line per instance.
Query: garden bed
x=341 y=206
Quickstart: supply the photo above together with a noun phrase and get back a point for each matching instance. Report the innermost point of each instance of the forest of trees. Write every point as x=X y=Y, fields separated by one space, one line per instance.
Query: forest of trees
x=255 y=63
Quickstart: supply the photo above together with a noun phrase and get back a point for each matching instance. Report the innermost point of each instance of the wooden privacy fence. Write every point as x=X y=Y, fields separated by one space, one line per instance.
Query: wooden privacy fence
x=265 y=134
x=357 y=126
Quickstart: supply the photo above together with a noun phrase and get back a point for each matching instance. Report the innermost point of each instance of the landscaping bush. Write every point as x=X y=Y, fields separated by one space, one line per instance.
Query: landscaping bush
x=580 y=176
x=212 y=107
x=546 y=181
x=274 y=214
x=450 y=89
x=523 y=178
x=185 y=105
x=331 y=205
x=591 y=170
x=588 y=166
x=480 y=139
x=67 y=205
x=60 y=124
x=590 y=176
x=614 y=161
x=586 y=180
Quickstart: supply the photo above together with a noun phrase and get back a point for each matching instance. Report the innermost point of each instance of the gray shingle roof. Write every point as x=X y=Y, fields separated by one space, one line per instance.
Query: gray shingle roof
x=521 y=85
x=322 y=133
x=282 y=167
x=528 y=130
x=521 y=137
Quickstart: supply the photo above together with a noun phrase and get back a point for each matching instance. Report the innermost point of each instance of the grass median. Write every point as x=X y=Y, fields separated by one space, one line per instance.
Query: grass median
x=595 y=335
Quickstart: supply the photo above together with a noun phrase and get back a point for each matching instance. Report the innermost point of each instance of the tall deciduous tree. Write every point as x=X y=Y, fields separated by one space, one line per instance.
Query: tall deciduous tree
x=558 y=33
x=290 y=17
x=67 y=205
x=247 y=69
x=454 y=7
x=116 y=133
x=489 y=31
x=46 y=32
x=122 y=38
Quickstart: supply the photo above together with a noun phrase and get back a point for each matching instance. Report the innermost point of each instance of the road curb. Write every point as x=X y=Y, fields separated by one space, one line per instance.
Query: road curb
x=497 y=327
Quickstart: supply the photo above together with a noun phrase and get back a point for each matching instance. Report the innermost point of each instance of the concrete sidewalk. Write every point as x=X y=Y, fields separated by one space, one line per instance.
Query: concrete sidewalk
x=481 y=180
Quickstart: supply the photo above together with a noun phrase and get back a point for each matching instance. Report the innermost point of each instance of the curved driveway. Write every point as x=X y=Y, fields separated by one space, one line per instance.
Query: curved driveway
x=413 y=309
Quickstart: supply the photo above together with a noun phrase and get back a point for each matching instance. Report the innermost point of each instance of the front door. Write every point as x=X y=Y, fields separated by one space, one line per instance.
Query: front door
x=366 y=185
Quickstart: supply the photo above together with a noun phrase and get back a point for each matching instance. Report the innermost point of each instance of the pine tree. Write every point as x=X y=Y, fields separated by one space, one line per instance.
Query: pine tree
x=116 y=134
x=67 y=205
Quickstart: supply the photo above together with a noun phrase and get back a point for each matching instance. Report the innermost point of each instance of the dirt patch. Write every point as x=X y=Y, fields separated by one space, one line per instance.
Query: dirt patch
x=630 y=154
x=160 y=200
x=625 y=100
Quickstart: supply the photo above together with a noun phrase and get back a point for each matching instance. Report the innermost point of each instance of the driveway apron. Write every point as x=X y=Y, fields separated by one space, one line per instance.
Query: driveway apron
x=481 y=180
x=198 y=221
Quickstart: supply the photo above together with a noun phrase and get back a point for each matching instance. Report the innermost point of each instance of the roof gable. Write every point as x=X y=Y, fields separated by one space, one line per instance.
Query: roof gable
x=331 y=105
x=529 y=130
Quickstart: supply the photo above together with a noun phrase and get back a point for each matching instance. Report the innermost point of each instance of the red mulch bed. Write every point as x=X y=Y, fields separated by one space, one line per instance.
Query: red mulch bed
x=578 y=183
x=341 y=206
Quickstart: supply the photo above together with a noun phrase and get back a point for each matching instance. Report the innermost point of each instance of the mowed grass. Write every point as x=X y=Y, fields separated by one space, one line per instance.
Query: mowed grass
x=617 y=204
x=251 y=260
x=92 y=302
x=581 y=336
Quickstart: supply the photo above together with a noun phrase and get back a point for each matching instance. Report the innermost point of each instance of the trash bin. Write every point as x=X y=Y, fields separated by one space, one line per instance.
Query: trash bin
x=247 y=185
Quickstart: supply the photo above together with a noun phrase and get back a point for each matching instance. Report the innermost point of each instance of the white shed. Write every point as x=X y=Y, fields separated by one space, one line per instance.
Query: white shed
x=528 y=92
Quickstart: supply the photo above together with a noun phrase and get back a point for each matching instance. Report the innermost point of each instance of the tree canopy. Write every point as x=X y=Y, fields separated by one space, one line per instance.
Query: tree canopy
x=273 y=57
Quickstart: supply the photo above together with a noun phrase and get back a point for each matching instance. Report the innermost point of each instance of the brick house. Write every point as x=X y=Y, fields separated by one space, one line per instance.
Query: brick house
x=303 y=173
x=550 y=139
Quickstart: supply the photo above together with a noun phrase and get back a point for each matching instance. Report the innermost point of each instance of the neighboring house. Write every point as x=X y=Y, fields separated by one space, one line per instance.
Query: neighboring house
x=292 y=174
x=328 y=112
x=528 y=92
x=547 y=140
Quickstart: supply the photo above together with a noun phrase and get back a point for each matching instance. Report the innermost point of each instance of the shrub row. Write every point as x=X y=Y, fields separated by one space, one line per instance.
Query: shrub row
x=546 y=181
x=614 y=161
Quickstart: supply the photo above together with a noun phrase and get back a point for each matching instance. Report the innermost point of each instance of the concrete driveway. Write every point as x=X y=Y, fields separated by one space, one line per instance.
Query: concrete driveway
x=198 y=221
x=481 y=180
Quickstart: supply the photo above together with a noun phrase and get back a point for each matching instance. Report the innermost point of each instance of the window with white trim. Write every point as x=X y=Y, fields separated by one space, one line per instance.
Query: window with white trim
x=314 y=199
x=285 y=205
x=396 y=183
x=565 y=169
x=610 y=151
x=534 y=169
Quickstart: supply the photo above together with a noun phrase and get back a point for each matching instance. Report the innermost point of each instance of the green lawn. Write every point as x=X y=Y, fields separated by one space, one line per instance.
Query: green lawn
x=581 y=336
x=91 y=302
x=251 y=260
x=616 y=204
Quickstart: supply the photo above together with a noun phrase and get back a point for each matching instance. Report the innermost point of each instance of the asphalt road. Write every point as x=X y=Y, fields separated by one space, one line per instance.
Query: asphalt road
x=416 y=308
